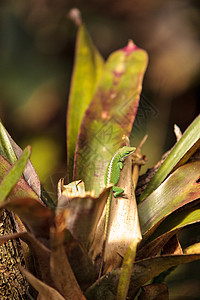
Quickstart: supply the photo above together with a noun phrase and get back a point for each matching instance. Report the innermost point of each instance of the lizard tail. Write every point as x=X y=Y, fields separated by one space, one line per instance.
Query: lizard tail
x=108 y=205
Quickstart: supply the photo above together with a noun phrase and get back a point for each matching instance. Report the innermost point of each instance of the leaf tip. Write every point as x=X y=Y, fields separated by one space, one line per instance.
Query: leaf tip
x=75 y=15
x=130 y=47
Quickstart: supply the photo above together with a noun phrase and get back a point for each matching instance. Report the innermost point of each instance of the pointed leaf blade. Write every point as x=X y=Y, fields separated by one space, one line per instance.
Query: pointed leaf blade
x=126 y=270
x=86 y=73
x=177 y=221
x=11 y=178
x=6 y=149
x=178 y=189
x=184 y=148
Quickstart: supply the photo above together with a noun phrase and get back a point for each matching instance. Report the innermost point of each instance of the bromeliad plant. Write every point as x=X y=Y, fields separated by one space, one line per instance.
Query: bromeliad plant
x=64 y=254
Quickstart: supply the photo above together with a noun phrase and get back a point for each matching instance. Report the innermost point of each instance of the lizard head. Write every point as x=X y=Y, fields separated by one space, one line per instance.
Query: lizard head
x=126 y=151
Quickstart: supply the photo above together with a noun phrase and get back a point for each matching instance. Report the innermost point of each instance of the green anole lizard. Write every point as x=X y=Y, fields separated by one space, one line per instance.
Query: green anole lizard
x=112 y=176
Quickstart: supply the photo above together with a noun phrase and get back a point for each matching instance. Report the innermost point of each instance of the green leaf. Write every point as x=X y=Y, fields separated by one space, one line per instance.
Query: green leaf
x=11 y=178
x=182 y=151
x=126 y=270
x=86 y=74
x=178 y=189
x=6 y=149
x=110 y=115
x=177 y=221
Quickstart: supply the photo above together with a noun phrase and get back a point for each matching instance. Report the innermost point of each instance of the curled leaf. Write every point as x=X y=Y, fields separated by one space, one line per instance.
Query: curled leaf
x=83 y=212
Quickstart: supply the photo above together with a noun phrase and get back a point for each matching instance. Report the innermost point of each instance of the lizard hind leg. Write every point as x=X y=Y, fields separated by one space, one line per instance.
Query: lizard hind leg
x=117 y=191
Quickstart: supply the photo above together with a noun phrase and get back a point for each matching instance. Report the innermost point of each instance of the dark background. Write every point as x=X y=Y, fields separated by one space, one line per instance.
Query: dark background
x=36 y=58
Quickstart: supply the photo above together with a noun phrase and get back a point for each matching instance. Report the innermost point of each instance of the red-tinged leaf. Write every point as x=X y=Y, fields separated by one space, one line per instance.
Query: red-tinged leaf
x=181 y=152
x=36 y=216
x=45 y=291
x=21 y=189
x=110 y=115
x=29 y=173
x=177 y=190
x=154 y=292
x=173 y=246
x=87 y=70
x=11 y=151
x=60 y=269
x=13 y=175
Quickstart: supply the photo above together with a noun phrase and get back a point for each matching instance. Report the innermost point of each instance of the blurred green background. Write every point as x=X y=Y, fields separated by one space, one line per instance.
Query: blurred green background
x=37 y=43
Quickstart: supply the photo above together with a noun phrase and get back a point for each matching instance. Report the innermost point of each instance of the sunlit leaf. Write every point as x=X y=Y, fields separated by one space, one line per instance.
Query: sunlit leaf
x=87 y=70
x=11 y=178
x=6 y=149
x=11 y=151
x=123 y=226
x=29 y=172
x=110 y=114
x=178 y=189
x=21 y=189
x=193 y=249
x=182 y=151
